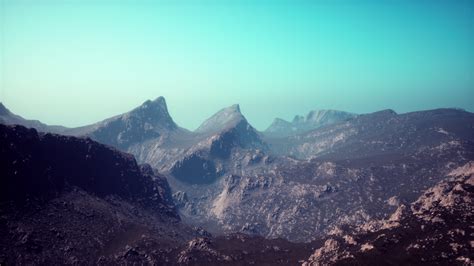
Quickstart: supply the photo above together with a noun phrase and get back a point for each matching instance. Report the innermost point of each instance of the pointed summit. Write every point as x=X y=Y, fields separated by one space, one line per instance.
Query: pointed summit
x=235 y=108
x=153 y=113
x=4 y=110
x=226 y=118
x=157 y=106
x=148 y=121
x=159 y=102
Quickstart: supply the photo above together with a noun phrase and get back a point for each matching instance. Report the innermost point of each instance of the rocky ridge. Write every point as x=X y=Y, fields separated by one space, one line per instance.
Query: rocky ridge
x=302 y=185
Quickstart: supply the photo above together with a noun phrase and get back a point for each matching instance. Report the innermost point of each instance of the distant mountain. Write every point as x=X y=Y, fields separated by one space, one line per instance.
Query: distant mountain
x=231 y=129
x=300 y=124
x=379 y=133
x=148 y=121
x=225 y=118
x=9 y=118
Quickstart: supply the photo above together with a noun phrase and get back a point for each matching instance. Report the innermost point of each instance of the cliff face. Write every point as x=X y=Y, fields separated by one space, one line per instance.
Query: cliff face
x=42 y=166
x=73 y=200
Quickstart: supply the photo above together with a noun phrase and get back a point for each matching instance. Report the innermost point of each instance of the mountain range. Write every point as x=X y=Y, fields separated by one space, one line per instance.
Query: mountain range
x=296 y=181
x=301 y=124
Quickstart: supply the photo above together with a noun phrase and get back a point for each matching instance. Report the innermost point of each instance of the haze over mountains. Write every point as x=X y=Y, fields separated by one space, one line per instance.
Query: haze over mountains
x=300 y=124
x=298 y=180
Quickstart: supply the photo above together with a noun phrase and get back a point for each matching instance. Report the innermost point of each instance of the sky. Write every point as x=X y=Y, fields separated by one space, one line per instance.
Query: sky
x=73 y=62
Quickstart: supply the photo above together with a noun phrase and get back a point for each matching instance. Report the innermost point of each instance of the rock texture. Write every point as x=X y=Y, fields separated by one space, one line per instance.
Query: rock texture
x=63 y=197
x=350 y=172
x=436 y=229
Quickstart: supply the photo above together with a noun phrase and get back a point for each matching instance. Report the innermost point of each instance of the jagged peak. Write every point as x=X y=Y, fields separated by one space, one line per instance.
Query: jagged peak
x=233 y=108
x=312 y=120
x=159 y=102
x=4 y=110
x=156 y=108
x=298 y=119
x=224 y=118
x=154 y=112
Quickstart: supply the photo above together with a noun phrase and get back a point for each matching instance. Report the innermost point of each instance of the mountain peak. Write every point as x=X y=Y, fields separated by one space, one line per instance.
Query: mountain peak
x=155 y=110
x=298 y=119
x=235 y=108
x=158 y=103
x=155 y=113
x=3 y=110
x=147 y=121
x=326 y=116
x=313 y=120
x=224 y=118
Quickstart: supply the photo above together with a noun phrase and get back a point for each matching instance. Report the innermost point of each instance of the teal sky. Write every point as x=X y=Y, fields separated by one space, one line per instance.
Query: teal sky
x=77 y=62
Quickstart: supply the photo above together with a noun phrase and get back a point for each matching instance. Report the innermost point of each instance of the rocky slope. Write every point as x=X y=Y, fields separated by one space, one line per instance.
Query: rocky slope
x=63 y=197
x=9 y=118
x=436 y=229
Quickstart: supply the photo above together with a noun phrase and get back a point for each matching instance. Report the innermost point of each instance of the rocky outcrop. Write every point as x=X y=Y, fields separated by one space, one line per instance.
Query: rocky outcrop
x=195 y=169
x=435 y=229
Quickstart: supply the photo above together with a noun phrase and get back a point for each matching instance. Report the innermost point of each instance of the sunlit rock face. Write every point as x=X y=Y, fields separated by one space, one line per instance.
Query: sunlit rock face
x=434 y=229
